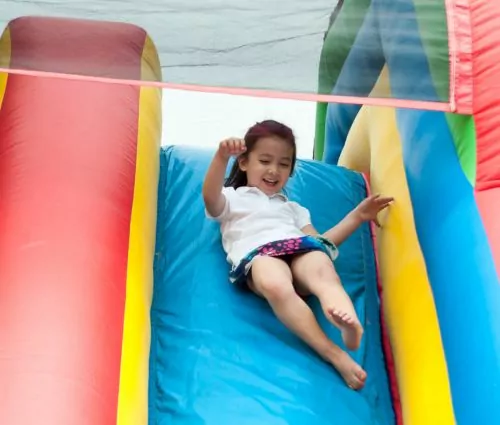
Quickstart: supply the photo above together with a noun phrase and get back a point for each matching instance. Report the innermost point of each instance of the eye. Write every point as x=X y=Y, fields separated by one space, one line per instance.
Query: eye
x=264 y=161
x=285 y=164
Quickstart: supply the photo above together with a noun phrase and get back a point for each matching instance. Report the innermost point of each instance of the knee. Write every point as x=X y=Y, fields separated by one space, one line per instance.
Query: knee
x=275 y=289
x=325 y=271
x=271 y=278
x=314 y=265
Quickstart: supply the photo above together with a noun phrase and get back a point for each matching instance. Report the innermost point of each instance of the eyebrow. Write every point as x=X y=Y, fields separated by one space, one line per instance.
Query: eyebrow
x=284 y=158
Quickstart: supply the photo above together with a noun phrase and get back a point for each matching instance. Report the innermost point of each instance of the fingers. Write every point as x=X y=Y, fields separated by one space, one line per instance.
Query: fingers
x=233 y=146
x=381 y=201
x=385 y=200
x=377 y=203
x=384 y=205
x=379 y=198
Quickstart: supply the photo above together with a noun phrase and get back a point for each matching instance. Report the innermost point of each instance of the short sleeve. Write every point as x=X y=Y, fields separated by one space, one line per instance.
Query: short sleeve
x=302 y=215
x=228 y=193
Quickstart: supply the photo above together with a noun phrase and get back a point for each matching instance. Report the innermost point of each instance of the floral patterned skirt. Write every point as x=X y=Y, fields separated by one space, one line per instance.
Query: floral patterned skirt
x=286 y=249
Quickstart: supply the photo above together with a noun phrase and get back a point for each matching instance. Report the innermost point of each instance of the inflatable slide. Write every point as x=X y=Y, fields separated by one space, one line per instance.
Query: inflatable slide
x=115 y=306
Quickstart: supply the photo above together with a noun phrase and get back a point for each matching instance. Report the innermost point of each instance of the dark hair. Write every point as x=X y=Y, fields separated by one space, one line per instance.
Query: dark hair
x=267 y=128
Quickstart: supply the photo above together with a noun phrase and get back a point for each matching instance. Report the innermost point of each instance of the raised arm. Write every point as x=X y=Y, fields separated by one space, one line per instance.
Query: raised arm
x=214 y=179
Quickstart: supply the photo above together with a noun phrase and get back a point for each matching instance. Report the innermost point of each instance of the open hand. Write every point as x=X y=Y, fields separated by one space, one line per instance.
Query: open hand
x=368 y=209
x=231 y=147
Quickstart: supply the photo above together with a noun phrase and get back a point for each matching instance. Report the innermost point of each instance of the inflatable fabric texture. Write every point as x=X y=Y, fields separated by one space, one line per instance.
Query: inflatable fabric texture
x=218 y=354
x=80 y=195
x=425 y=44
x=439 y=246
x=272 y=49
x=79 y=166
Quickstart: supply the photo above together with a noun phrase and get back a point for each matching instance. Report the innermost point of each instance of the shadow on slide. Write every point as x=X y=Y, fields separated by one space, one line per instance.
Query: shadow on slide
x=218 y=354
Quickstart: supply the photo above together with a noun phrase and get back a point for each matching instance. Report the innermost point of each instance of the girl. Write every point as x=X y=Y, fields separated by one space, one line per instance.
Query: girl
x=273 y=247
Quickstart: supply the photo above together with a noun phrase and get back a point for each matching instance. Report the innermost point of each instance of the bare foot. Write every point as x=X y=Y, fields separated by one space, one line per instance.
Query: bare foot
x=353 y=374
x=351 y=329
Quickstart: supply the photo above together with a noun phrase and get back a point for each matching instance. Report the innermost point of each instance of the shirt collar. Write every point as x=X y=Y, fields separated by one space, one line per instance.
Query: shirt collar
x=246 y=189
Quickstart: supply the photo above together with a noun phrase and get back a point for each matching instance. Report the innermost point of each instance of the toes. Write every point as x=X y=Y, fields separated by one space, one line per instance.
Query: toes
x=359 y=378
x=334 y=313
x=340 y=315
x=345 y=318
x=361 y=375
x=355 y=384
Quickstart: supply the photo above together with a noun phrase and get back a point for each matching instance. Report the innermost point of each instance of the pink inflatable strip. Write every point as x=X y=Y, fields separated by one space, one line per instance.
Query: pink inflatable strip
x=386 y=343
x=312 y=97
x=460 y=55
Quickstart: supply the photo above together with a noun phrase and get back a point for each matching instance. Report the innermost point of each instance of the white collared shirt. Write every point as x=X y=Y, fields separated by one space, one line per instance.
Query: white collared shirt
x=251 y=218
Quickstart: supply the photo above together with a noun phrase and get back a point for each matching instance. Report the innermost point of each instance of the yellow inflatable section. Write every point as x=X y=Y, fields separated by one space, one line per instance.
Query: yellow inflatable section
x=134 y=368
x=374 y=147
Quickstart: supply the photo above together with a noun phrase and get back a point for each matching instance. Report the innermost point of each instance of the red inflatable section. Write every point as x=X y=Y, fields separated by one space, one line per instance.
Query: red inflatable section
x=485 y=16
x=67 y=170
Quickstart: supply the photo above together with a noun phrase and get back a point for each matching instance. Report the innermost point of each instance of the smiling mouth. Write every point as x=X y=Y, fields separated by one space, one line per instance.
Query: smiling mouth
x=270 y=182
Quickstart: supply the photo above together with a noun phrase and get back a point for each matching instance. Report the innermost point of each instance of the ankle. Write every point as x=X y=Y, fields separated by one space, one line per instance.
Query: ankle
x=334 y=353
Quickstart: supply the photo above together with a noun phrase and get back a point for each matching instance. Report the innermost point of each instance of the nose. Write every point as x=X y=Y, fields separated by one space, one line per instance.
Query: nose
x=273 y=169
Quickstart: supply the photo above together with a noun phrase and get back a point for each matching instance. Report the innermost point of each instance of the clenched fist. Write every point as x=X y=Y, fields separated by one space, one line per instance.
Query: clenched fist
x=231 y=147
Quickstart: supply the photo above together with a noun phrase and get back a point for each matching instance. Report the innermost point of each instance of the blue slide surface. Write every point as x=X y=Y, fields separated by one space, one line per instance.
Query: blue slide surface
x=218 y=354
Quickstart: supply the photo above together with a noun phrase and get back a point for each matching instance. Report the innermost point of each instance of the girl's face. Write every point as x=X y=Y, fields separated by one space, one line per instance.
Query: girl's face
x=268 y=165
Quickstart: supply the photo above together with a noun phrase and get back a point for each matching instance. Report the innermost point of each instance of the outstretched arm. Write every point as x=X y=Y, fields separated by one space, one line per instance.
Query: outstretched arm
x=345 y=228
x=367 y=210
x=341 y=231
x=214 y=179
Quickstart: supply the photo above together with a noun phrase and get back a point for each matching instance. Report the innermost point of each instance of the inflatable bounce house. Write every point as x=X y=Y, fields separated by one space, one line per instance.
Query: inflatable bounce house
x=115 y=304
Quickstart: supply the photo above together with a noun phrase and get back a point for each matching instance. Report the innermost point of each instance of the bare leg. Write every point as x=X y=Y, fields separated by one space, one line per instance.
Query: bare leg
x=271 y=278
x=314 y=273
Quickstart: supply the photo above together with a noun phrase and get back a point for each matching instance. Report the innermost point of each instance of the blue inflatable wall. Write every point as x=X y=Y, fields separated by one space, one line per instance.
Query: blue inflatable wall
x=218 y=354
